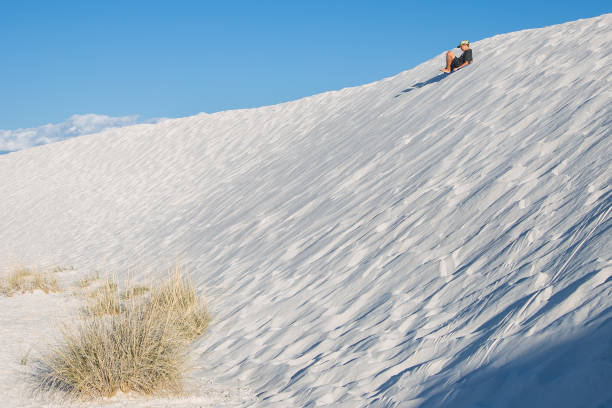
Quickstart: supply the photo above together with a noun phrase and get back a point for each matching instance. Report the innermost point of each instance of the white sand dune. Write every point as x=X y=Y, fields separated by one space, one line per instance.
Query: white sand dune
x=450 y=246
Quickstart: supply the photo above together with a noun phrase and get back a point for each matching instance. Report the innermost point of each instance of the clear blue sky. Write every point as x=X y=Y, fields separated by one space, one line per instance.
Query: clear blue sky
x=177 y=58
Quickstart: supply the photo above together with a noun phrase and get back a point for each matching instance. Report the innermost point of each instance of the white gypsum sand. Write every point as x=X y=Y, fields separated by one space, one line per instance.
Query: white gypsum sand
x=446 y=247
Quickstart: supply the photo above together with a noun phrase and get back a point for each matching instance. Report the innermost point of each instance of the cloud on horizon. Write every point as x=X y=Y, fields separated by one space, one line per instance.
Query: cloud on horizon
x=74 y=126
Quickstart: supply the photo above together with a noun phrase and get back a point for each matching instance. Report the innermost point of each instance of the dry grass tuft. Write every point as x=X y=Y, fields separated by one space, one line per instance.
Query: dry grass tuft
x=132 y=351
x=87 y=281
x=135 y=291
x=178 y=299
x=24 y=280
x=141 y=349
x=104 y=300
x=58 y=269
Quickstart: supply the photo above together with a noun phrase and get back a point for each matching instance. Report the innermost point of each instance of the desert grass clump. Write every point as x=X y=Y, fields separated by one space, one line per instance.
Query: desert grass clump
x=132 y=351
x=25 y=280
x=135 y=291
x=142 y=349
x=104 y=300
x=87 y=281
x=178 y=300
x=58 y=269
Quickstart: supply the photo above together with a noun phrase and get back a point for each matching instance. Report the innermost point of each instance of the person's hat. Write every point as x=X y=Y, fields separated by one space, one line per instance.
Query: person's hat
x=466 y=42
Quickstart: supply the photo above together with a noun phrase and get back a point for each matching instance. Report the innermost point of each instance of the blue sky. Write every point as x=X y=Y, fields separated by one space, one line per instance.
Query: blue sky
x=177 y=58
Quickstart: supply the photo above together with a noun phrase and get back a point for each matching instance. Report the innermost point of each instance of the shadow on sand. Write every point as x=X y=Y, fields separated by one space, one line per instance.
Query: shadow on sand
x=437 y=78
x=574 y=373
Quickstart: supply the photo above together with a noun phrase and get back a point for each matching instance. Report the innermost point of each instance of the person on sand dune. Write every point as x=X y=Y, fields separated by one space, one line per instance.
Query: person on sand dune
x=454 y=63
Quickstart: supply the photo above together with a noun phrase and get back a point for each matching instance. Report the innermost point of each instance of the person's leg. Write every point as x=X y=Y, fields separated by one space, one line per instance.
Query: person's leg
x=449 y=60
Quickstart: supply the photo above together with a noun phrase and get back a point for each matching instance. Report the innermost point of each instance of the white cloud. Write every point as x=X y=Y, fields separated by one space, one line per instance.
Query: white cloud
x=76 y=125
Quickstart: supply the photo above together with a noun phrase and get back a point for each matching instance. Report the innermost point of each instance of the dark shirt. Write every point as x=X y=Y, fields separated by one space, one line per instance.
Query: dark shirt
x=466 y=56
